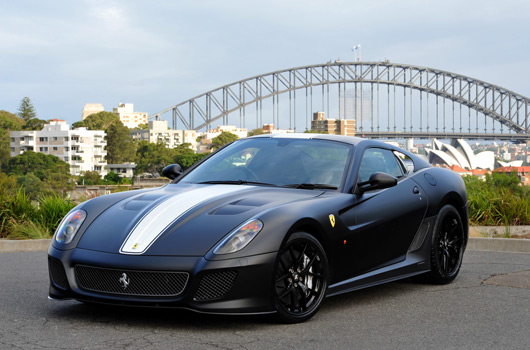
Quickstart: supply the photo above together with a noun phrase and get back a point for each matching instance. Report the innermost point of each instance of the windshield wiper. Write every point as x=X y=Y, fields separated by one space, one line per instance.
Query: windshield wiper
x=310 y=186
x=235 y=182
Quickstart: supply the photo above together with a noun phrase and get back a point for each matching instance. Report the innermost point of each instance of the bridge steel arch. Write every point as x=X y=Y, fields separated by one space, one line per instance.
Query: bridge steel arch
x=503 y=107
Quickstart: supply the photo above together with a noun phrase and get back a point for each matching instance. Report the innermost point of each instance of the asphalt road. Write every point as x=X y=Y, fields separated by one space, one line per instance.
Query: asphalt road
x=467 y=314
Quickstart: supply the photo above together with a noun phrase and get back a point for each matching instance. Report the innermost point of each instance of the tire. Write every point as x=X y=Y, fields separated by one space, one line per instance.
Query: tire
x=300 y=278
x=447 y=247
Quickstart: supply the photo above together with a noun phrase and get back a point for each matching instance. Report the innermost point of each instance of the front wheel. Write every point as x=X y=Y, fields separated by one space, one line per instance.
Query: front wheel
x=300 y=279
x=447 y=247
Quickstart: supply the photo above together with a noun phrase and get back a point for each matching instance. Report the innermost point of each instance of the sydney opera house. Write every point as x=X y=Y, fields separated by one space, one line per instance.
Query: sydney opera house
x=460 y=154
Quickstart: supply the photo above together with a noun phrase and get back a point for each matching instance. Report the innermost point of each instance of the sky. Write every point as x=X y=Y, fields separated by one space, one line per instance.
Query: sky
x=155 y=54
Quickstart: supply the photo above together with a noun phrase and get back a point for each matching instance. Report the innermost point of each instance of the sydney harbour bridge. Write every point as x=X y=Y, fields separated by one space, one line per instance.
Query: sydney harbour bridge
x=386 y=100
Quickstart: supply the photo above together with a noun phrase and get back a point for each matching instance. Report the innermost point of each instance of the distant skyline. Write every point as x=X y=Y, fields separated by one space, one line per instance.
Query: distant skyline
x=63 y=54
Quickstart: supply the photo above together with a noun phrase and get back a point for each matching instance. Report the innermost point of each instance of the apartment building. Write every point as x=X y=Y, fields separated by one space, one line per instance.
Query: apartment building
x=269 y=129
x=127 y=115
x=159 y=131
x=333 y=126
x=83 y=149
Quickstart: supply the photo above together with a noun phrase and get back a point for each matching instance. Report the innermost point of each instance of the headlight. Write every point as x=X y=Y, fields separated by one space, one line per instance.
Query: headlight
x=239 y=238
x=69 y=226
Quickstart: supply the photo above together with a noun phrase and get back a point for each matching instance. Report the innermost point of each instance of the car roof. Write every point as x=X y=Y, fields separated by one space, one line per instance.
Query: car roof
x=346 y=139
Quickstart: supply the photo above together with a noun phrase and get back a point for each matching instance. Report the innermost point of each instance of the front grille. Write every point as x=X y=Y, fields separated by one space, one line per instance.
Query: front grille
x=57 y=274
x=130 y=282
x=215 y=285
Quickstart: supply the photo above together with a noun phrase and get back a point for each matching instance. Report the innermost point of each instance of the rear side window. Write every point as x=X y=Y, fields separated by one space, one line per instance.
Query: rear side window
x=378 y=160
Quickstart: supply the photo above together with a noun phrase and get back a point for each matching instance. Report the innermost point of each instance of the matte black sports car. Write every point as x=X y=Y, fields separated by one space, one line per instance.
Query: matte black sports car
x=267 y=224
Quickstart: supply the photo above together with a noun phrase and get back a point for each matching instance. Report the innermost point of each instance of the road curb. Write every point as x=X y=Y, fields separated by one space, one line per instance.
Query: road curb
x=499 y=244
x=26 y=245
x=474 y=243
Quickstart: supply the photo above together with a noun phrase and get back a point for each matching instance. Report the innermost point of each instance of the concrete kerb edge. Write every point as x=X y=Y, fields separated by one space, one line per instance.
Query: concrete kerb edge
x=27 y=245
x=474 y=243
x=514 y=245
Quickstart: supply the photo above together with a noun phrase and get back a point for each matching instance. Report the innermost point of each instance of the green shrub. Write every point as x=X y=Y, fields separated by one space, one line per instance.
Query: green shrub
x=51 y=211
x=27 y=230
x=499 y=200
x=18 y=211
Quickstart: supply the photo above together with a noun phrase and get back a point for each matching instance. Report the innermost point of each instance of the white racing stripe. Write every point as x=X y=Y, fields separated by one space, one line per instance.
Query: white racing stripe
x=151 y=226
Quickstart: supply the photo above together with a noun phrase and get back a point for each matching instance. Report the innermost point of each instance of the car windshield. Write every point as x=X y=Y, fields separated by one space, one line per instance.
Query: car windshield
x=302 y=163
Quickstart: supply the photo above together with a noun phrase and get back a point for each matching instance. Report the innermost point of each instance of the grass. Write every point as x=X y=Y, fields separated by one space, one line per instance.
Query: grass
x=28 y=230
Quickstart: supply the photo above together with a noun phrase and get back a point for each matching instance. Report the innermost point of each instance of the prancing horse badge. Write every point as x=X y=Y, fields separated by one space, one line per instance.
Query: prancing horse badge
x=332 y=220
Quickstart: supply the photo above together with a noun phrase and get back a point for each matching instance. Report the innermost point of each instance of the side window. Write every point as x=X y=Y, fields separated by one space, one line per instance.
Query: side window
x=380 y=160
x=406 y=163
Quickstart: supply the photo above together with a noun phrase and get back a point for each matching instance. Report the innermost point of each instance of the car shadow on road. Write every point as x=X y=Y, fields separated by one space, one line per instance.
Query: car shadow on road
x=164 y=318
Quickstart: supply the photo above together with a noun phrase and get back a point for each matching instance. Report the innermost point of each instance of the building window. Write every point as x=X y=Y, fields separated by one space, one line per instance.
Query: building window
x=43 y=139
x=55 y=138
x=66 y=138
x=55 y=148
x=43 y=149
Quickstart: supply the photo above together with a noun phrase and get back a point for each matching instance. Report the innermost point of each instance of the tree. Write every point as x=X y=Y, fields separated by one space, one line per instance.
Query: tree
x=40 y=164
x=152 y=158
x=26 y=110
x=258 y=131
x=143 y=126
x=8 y=122
x=185 y=156
x=34 y=124
x=120 y=146
x=97 y=121
x=313 y=131
x=89 y=178
x=53 y=172
x=112 y=178
x=224 y=138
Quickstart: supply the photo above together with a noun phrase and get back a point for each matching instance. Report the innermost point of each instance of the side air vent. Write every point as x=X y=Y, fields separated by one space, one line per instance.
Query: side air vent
x=57 y=274
x=215 y=285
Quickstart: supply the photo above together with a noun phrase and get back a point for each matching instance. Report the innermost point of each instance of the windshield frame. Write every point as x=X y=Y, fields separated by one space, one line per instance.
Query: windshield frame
x=345 y=162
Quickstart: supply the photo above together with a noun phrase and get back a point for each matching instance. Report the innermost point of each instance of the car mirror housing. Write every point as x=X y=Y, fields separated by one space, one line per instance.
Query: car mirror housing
x=377 y=181
x=172 y=171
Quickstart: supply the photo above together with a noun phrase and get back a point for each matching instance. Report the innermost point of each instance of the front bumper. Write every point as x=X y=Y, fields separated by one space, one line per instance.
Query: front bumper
x=249 y=292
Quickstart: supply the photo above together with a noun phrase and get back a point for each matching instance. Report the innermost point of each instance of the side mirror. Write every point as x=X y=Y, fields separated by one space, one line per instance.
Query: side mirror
x=377 y=181
x=172 y=171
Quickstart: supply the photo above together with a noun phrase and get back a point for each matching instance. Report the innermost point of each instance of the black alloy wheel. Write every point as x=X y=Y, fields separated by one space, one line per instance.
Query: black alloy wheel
x=447 y=247
x=300 y=281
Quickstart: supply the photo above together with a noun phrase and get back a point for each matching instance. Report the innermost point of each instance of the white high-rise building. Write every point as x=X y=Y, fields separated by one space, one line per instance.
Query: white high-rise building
x=83 y=149
x=160 y=132
x=127 y=115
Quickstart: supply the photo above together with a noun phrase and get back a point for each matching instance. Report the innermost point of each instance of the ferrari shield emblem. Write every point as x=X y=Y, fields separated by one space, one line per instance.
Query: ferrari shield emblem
x=332 y=220
x=135 y=246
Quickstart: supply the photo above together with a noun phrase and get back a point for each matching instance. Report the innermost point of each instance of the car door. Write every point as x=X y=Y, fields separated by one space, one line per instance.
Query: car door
x=385 y=220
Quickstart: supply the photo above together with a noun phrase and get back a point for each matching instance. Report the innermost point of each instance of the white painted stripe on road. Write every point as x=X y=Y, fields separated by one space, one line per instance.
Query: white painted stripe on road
x=154 y=223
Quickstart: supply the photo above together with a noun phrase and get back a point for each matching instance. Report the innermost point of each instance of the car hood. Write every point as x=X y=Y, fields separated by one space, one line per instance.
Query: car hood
x=181 y=219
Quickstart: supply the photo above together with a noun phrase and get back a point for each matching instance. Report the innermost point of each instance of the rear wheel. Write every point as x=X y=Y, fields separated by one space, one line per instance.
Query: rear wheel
x=300 y=280
x=447 y=247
